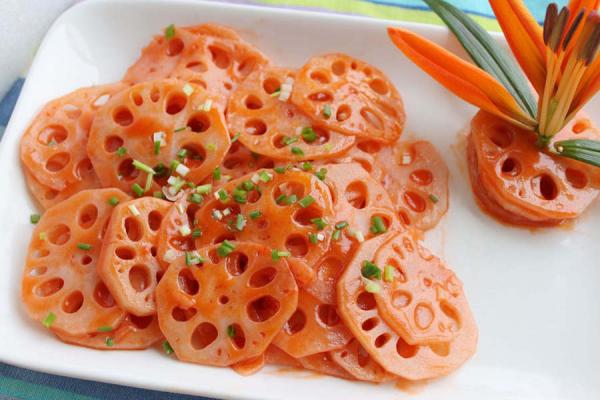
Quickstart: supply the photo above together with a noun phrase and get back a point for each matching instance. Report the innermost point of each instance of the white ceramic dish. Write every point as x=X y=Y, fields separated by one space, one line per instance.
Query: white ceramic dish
x=534 y=295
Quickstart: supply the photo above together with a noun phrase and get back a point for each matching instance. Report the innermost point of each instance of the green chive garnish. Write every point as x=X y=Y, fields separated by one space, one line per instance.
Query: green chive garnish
x=143 y=167
x=235 y=137
x=371 y=287
x=223 y=196
x=308 y=134
x=217 y=174
x=276 y=92
x=280 y=199
x=113 y=201
x=195 y=198
x=180 y=129
x=255 y=214
x=321 y=174
x=312 y=237
x=248 y=185
x=277 y=254
x=287 y=140
x=240 y=222
x=109 y=341
x=225 y=249
x=196 y=233
x=264 y=176
x=327 y=111
x=105 y=329
x=433 y=198
x=167 y=348
x=279 y=170
x=156 y=147
x=388 y=273
x=240 y=196
x=121 y=151
x=341 y=225
x=137 y=189
x=49 y=320
x=377 y=225
x=320 y=223
x=181 y=154
x=370 y=270
x=170 y=32
x=204 y=189
x=307 y=166
x=231 y=331
x=84 y=246
x=306 y=201
x=297 y=151
x=42 y=235
x=34 y=218
x=291 y=199
x=336 y=234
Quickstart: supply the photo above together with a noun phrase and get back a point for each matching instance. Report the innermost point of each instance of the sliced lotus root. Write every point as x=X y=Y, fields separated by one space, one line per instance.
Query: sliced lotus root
x=357 y=361
x=53 y=146
x=324 y=364
x=276 y=128
x=274 y=355
x=240 y=161
x=360 y=311
x=358 y=201
x=250 y=366
x=272 y=213
x=416 y=177
x=128 y=263
x=218 y=64
x=350 y=96
x=48 y=197
x=360 y=153
x=160 y=112
x=314 y=327
x=133 y=333
x=226 y=309
x=60 y=285
x=520 y=184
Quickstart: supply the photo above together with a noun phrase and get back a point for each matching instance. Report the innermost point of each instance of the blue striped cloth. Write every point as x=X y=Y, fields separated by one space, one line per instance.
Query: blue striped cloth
x=18 y=383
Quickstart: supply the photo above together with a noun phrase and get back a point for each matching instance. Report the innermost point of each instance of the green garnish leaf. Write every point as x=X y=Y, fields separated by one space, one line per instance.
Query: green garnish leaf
x=277 y=254
x=307 y=166
x=320 y=223
x=308 y=134
x=370 y=270
x=297 y=151
x=156 y=147
x=487 y=53
x=170 y=32
x=255 y=214
x=312 y=238
x=279 y=170
x=204 y=189
x=195 y=198
x=327 y=111
x=235 y=137
x=377 y=225
x=196 y=233
x=223 y=196
x=121 y=151
x=225 y=249
x=336 y=234
x=388 y=273
x=167 y=348
x=49 y=320
x=584 y=150
x=433 y=198
x=231 y=331
x=287 y=140
x=217 y=174
x=264 y=176
x=371 y=287
x=113 y=201
x=341 y=225
x=34 y=218
x=306 y=201
x=109 y=341
x=240 y=222
x=321 y=174
x=240 y=196
x=84 y=246
x=105 y=329
x=137 y=189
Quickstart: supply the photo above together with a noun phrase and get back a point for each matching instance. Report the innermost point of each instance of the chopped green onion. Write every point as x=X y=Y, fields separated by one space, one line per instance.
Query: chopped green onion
x=121 y=151
x=287 y=140
x=49 y=320
x=161 y=170
x=137 y=189
x=159 y=195
x=204 y=189
x=235 y=137
x=157 y=145
x=377 y=225
x=370 y=270
x=231 y=331
x=308 y=134
x=255 y=214
x=265 y=176
x=195 y=198
x=84 y=246
x=327 y=111
x=34 y=218
x=336 y=234
x=143 y=167
x=307 y=166
x=42 y=235
x=113 y=201
x=105 y=329
x=109 y=341
x=341 y=225
x=148 y=185
x=174 y=164
x=388 y=273
x=217 y=174
x=276 y=93
x=312 y=237
x=181 y=154
x=167 y=348
x=320 y=223
x=321 y=174
x=226 y=248
x=240 y=196
x=279 y=170
x=297 y=151
x=180 y=129
x=277 y=254
x=170 y=32
x=291 y=199
x=196 y=233
x=280 y=198
x=192 y=258
x=222 y=195
x=433 y=198
x=240 y=222
x=306 y=201
x=371 y=287
x=248 y=185
x=134 y=210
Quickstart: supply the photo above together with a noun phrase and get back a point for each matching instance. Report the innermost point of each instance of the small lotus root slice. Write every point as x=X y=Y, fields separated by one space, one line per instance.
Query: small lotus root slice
x=128 y=262
x=53 y=146
x=518 y=183
x=134 y=333
x=314 y=327
x=226 y=309
x=324 y=364
x=416 y=177
x=357 y=361
x=276 y=128
x=159 y=111
x=350 y=96
x=60 y=284
x=361 y=311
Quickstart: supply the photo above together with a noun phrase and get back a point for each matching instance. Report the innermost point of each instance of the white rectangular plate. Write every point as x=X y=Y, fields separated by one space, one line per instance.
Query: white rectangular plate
x=534 y=294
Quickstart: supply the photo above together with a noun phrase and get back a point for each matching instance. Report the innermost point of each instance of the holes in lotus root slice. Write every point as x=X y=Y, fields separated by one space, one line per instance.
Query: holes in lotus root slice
x=184 y=122
x=283 y=224
x=416 y=177
x=357 y=101
x=259 y=302
x=367 y=317
x=128 y=263
x=357 y=361
x=53 y=146
x=521 y=185
x=314 y=327
x=60 y=274
x=272 y=127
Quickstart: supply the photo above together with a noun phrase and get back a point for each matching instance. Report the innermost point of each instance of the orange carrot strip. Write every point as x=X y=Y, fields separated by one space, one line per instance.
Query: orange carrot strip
x=460 y=77
x=524 y=37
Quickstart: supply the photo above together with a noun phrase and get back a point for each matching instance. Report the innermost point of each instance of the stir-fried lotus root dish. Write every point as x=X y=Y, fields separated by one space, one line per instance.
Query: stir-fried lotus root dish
x=235 y=213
